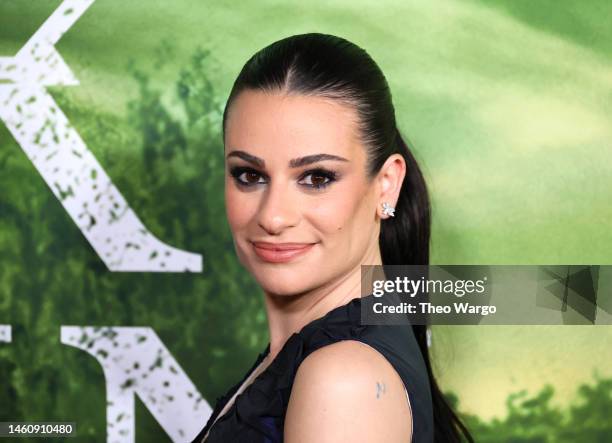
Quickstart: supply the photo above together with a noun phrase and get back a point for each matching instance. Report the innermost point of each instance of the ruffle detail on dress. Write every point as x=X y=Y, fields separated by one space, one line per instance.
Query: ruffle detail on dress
x=262 y=406
x=221 y=401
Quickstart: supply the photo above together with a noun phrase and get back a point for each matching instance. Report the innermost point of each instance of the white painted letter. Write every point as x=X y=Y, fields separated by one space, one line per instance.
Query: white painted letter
x=62 y=158
x=135 y=361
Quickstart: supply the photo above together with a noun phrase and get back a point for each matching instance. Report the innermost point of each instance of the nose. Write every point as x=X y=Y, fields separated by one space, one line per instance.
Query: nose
x=278 y=210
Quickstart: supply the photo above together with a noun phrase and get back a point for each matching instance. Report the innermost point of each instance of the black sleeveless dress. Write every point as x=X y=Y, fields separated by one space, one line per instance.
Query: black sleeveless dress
x=258 y=413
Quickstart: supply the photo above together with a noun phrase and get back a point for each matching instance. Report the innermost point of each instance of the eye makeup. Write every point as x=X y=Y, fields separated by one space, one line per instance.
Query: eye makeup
x=327 y=174
x=242 y=176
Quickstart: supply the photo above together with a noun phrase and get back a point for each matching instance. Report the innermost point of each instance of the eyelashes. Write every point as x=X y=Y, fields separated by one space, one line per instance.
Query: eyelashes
x=320 y=178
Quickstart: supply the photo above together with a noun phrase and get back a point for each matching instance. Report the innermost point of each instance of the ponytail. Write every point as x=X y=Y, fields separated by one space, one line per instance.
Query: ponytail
x=404 y=240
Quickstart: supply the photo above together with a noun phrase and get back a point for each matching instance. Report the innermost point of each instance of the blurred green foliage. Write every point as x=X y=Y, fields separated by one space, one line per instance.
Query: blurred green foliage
x=536 y=420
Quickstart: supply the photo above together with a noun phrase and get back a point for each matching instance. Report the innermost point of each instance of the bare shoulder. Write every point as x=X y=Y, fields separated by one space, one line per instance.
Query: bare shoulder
x=347 y=391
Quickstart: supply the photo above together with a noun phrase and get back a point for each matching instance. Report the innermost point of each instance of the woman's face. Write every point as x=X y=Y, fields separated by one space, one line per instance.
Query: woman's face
x=322 y=212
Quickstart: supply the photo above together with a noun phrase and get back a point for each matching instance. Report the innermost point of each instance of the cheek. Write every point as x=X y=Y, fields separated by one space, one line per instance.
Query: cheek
x=334 y=217
x=237 y=206
x=341 y=212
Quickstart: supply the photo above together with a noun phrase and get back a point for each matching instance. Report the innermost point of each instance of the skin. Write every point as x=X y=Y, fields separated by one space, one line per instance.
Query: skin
x=362 y=395
x=347 y=392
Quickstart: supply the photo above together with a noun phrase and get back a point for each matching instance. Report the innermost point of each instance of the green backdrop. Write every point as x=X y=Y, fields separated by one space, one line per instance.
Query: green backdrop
x=507 y=106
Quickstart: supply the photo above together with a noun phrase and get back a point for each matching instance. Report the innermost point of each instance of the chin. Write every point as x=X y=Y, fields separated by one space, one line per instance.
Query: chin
x=282 y=282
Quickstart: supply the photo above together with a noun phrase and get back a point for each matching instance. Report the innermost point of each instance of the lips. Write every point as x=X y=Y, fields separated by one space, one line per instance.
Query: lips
x=280 y=252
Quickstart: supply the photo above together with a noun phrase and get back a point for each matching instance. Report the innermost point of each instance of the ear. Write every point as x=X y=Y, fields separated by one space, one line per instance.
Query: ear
x=389 y=181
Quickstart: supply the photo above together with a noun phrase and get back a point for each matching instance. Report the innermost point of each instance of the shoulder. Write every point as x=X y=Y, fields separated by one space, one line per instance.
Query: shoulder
x=347 y=391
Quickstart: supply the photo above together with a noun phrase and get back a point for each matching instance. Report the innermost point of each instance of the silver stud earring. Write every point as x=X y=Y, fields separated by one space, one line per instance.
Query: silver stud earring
x=388 y=209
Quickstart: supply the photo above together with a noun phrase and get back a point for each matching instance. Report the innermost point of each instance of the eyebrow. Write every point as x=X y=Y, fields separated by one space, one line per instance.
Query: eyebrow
x=293 y=163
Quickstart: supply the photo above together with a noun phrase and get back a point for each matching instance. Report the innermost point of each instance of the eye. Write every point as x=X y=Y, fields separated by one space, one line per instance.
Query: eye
x=319 y=178
x=246 y=176
x=315 y=179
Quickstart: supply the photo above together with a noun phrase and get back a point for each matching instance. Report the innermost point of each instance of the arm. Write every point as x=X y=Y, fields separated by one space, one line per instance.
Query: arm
x=347 y=392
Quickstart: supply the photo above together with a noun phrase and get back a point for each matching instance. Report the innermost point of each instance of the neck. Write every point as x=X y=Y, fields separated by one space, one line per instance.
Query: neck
x=289 y=314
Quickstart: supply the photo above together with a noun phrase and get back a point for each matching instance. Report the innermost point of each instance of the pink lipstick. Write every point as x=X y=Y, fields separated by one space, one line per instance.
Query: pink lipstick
x=280 y=252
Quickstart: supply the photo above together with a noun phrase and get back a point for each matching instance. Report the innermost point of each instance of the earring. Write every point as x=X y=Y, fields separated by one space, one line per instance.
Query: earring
x=388 y=209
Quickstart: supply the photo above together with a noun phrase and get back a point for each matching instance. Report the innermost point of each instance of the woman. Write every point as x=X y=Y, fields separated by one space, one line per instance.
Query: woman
x=318 y=183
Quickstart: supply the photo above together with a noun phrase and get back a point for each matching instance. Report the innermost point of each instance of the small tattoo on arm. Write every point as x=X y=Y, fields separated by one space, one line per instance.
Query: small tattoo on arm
x=380 y=389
